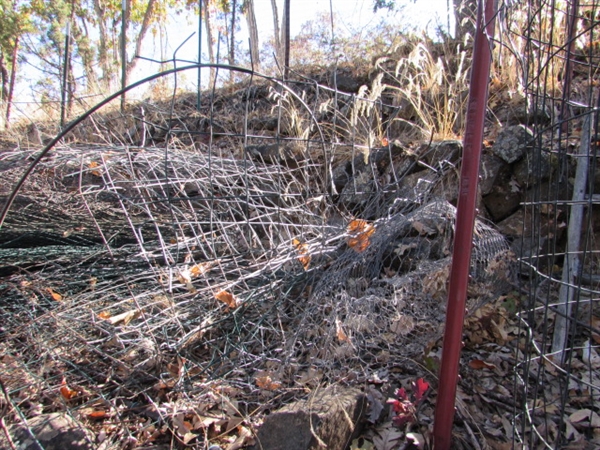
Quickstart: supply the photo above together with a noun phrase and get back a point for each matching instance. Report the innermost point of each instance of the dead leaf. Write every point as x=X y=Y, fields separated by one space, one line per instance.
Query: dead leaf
x=124 y=318
x=267 y=383
x=479 y=364
x=94 y=165
x=202 y=268
x=422 y=229
x=376 y=402
x=585 y=414
x=403 y=325
x=55 y=295
x=66 y=391
x=417 y=439
x=302 y=249
x=360 y=231
x=387 y=438
x=341 y=334
x=229 y=299
x=177 y=368
x=366 y=445
x=244 y=439
x=104 y=315
x=185 y=277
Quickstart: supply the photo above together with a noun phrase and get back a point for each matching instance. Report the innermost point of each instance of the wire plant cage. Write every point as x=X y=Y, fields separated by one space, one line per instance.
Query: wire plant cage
x=169 y=264
x=557 y=372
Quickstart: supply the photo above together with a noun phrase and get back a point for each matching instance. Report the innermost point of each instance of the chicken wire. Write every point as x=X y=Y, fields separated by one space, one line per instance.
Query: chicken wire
x=557 y=372
x=206 y=253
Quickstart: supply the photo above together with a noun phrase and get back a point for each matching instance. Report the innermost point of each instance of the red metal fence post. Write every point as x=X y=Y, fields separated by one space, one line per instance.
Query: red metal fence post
x=465 y=219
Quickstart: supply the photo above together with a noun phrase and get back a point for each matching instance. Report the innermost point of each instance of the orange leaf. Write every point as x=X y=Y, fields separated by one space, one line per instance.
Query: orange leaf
x=55 y=295
x=104 y=315
x=478 y=364
x=341 y=334
x=302 y=249
x=360 y=231
x=66 y=391
x=98 y=415
x=202 y=268
x=229 y=299
x=265 y=382
x=94 y=165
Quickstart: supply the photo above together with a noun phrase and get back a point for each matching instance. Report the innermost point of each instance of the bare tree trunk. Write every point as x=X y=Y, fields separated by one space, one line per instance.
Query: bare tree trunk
x=141 y=35
x=210 y=41
x=232 y=40
x=8 y=94
x=253 y=32
x=87 y=53
x=277 y=40
x=285 y=39
x=108 y=70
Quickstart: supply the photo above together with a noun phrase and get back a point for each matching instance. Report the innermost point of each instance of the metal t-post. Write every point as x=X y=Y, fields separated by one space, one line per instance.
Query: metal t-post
x=465 y=219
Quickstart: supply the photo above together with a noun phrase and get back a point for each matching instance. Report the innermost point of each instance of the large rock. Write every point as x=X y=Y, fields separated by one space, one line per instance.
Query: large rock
x=491 y=167
x=512 y=143
x=533 y=169
x=55 y=431
x=505 y=196
x=333 y=417
x=443 y=154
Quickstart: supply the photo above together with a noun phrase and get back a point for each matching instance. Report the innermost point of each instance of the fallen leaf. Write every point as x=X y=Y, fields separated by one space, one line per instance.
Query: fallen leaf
x=302 y=249
x=94 y=165
x=244 y=439
x=66 y=391
x=55 y=295
x=341 y=334
x=365 y=445
x=422 y=229
x=104 y=315
x=359 y=230
x=585 y=414
x=479 y=364
x=177 y=368
x=124 y=318
x=403 y=325
x=98 y=414
x=387 y=438
x=267 y=383
x=417 y=439
x=375 y=404
x=229 y=299
x=419 y=388
x=202 y=268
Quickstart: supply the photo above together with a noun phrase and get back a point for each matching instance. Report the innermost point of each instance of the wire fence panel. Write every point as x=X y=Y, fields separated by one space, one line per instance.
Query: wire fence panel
x=166 y=257
x=557 y=357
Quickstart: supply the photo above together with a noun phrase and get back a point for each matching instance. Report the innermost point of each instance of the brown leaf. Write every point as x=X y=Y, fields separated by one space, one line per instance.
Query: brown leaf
x=302 y=249
x=479 y=364
x=359 y=230
x=104 y=315
x=229 y=299
x=94 y=165
x=244 y=439
x=66 y=391
x=202 y=268
x=387 y=438
x=422 y=229
x=266 y=382
x=341 y=334
x=403 y=325
x=55 y=295
x=124 y=318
